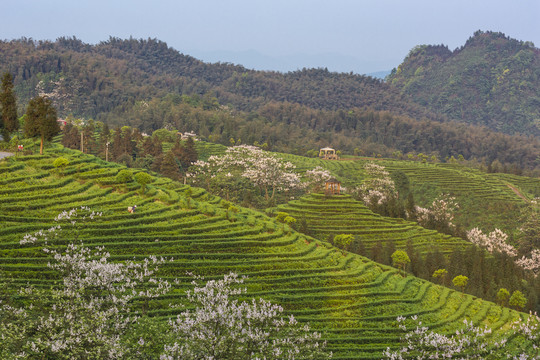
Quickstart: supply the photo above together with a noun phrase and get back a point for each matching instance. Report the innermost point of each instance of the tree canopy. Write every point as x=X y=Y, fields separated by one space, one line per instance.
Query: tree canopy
x=41 y=120
x=8 y=103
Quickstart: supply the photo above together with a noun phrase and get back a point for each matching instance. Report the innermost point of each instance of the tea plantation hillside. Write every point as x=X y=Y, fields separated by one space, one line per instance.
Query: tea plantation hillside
x=339 y=214
x=353 y=301
x=486 y=200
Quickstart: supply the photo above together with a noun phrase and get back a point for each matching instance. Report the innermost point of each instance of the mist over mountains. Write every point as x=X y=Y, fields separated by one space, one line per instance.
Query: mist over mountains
x=253 y=59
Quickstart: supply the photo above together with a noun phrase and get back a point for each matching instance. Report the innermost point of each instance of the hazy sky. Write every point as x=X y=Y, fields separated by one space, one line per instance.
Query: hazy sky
x=362 y=36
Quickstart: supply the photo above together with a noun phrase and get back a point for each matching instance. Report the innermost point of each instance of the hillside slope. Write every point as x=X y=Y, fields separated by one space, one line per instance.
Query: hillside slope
x=492 y=80
x=354 y=301
x=485 y=200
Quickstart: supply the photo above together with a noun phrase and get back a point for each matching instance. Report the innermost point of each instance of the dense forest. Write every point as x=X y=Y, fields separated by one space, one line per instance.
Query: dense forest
x=492 y=80
x=91 y=80
x=147 y=85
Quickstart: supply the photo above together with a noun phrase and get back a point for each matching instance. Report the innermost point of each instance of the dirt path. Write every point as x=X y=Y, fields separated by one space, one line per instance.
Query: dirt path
x=4 y=154
x=517 y=192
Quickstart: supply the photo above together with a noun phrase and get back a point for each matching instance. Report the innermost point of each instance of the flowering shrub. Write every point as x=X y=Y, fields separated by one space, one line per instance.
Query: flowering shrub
x=343 y=241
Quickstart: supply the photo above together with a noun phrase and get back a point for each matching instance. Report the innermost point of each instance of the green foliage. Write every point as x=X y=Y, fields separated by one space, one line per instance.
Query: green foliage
x=402 y=183
x=460 y=281
x=518 y=300
x=8 y=120
x=61 y=162
x=123 y=177
x=41 y=120
x=492 y=80
x=164 y=135
x=502 y=296
x=440 y=274
x=169 y=166
x=143 y=179
x=280 y=216
x=289 y=220
x=400 y=259
x=343 y=241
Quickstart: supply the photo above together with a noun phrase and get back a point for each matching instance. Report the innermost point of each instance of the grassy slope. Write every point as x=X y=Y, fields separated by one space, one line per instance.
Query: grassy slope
x=353 y=300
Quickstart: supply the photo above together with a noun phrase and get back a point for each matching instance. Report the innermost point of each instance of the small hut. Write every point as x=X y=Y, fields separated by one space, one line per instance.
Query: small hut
x=333 y=187
x=328 y=154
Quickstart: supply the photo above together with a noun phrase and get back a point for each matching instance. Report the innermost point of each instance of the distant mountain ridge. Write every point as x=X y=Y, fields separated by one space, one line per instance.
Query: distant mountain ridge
x=99 y=78
x=492 y=80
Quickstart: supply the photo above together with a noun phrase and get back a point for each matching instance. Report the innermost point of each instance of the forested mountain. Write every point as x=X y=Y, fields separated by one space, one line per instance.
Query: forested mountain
x=492 y=80
x=147 y=85
x=92 y=80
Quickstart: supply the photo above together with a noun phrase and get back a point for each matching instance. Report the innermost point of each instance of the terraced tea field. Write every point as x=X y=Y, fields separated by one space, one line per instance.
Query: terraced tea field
x=486 y=200
x=353 y=301
x=341 y=214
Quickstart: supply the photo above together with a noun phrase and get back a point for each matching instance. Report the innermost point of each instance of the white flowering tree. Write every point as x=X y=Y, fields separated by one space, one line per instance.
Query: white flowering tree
x=378 y=188
x=221 y=327
x=470 y=342
x=440 y=215
x=315 y=178
x=262 y=169
x=89 y=313
x=495 y=241
x=531 y=263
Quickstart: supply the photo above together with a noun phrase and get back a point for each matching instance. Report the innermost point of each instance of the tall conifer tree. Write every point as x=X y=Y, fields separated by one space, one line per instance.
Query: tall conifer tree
x=169 y=166
x=8 y=122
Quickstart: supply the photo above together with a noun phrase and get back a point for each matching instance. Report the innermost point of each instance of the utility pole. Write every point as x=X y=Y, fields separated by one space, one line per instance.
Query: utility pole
x=82 y=141
x=107 y=151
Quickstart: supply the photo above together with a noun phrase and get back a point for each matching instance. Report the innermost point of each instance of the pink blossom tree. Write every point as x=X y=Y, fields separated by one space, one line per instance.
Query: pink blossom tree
x=531 y=263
